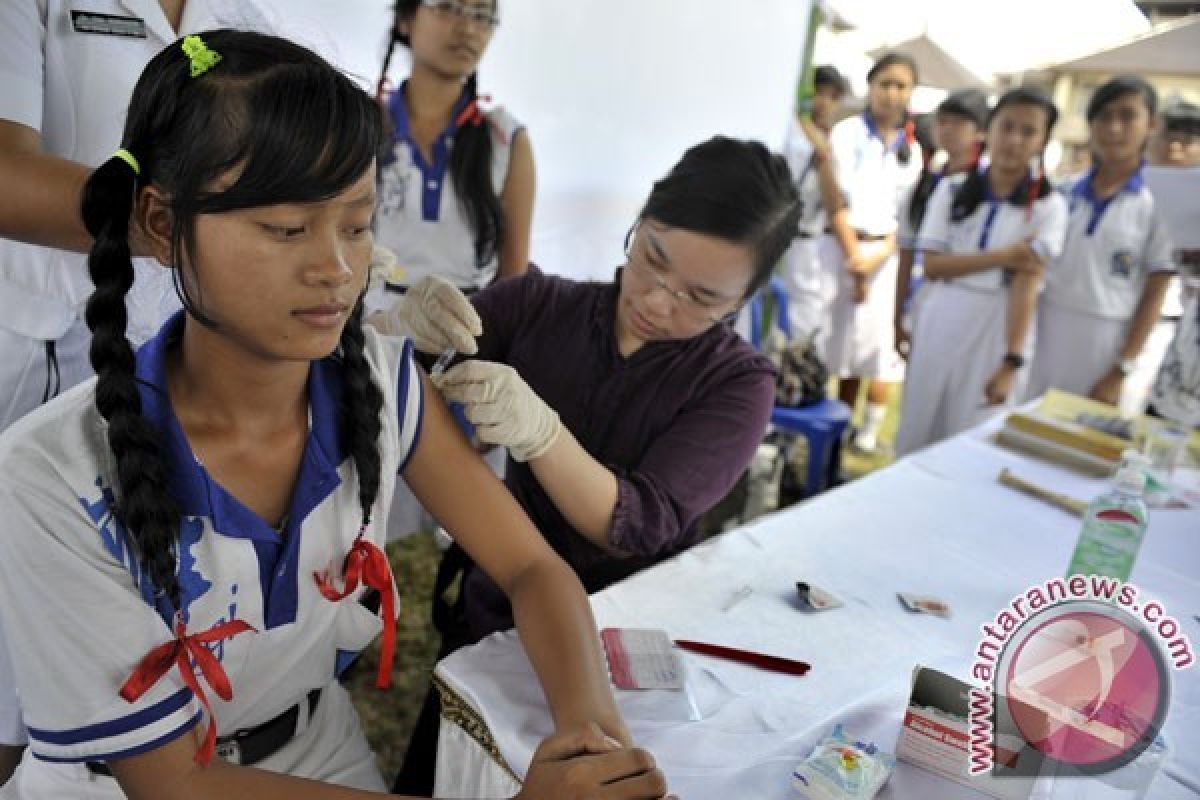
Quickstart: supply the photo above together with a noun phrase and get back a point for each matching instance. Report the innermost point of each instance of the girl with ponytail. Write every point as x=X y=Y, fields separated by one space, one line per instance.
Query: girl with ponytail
x=457 y=186
x=188 y=536
x=987 y=237
x=457 y=183
x=958 y=129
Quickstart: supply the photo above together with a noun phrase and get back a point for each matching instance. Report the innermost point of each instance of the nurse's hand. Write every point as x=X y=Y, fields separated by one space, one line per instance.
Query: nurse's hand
x=502 y=407
x=435 y=315
x=1000 y=385
x=587 y=765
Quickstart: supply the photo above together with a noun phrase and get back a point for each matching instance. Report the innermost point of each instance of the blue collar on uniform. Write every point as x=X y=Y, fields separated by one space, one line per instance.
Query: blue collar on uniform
x=433 y=176
x=873 y=132
x=198 y=495
x=994 y=204
x=1083 y=191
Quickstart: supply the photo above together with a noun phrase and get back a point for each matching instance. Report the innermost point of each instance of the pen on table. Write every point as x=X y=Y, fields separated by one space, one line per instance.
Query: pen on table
x=762 y=660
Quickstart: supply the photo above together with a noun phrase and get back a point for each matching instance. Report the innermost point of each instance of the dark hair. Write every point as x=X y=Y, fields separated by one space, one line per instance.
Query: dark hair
x=908 y=127
x=302 y=132
x=891 y=59
x=1182 y=117
x=470 y=157
x=970 y=104
x=1117 y=88
x=828 y=75
x=734 y=190
x=1033 y=187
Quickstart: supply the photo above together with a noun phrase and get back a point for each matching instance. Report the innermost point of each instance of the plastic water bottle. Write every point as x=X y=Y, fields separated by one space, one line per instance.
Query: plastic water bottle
x=1113 y=529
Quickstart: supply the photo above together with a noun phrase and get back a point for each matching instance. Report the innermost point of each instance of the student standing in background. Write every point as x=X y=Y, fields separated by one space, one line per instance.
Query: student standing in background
x=986 y=238
x=960 y=123
x=1105 y=293
x=878 y=161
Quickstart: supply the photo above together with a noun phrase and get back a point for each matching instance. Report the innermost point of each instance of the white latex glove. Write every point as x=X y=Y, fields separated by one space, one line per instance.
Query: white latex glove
x=435 y=315
x=504 y=410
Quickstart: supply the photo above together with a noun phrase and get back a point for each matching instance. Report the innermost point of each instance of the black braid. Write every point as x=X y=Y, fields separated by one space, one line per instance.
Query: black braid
x=144 y=504
x=387 y=63
x=471 y=169
x=362 y=404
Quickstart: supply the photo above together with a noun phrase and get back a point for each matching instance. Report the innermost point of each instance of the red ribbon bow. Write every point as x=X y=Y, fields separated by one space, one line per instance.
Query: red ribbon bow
x=189 y=653
x=470 y=113
x=367 y=563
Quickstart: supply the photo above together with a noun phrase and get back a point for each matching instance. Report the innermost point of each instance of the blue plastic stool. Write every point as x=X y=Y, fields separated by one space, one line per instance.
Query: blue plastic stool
x=823 y=425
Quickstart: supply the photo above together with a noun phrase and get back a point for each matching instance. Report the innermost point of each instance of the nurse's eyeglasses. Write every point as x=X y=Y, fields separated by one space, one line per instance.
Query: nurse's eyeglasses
x=648 y=273
x=483 y=16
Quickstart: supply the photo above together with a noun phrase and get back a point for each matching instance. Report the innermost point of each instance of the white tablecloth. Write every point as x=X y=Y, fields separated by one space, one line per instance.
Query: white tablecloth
x=937 y=523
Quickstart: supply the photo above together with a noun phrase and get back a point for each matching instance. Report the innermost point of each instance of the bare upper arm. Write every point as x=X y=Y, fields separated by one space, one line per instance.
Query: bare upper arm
x=465 y=496
x=516 y=200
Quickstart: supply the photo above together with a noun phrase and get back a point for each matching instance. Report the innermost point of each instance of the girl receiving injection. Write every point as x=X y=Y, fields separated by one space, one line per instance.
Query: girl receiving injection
x=188 y=536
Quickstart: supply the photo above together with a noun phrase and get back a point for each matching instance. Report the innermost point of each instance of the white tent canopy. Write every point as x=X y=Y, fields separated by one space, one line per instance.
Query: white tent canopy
x=937 y=67
x=1169 y=49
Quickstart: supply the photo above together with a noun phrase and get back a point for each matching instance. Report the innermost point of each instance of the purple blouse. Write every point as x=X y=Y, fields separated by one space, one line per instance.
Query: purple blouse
x=677 y=422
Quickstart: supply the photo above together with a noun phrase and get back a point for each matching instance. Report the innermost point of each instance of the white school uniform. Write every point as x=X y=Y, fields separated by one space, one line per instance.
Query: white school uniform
x=959 y=339
x=874 y=182
x=809 y=288
x=1093 y=289
x=67 y=71
x=420 y=218
x=84 y=613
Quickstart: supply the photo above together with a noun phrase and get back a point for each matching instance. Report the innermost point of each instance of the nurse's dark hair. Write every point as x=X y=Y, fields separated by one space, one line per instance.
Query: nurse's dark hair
x=298 y=131
x=1033 y=186
x=1119 y=87
x=734 y=190
x=471 y=155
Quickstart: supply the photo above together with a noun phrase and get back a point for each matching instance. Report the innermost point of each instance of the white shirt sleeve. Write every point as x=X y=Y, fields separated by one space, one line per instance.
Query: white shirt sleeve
x=934 y=235
x=410 y=409
x=1050 y=217
x=1160 y=250
x=22 y=59
x=80 y=623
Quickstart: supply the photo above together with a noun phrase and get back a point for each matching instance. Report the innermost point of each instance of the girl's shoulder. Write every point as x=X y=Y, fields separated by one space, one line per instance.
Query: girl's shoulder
x=503 y=124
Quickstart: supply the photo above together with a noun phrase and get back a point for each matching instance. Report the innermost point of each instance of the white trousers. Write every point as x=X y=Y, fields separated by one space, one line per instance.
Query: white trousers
x=331 y=747
x=959 y=341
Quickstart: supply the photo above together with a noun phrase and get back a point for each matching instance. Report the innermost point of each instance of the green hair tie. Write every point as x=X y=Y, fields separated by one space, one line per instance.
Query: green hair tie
x=203 y=58
x=129 y=159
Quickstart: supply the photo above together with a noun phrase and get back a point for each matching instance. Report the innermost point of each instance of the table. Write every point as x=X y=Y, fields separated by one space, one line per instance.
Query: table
x=935 y=523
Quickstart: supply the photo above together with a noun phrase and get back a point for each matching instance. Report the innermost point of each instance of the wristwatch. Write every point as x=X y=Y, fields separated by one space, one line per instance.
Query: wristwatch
x=1126 y=366
x=1014 y=360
